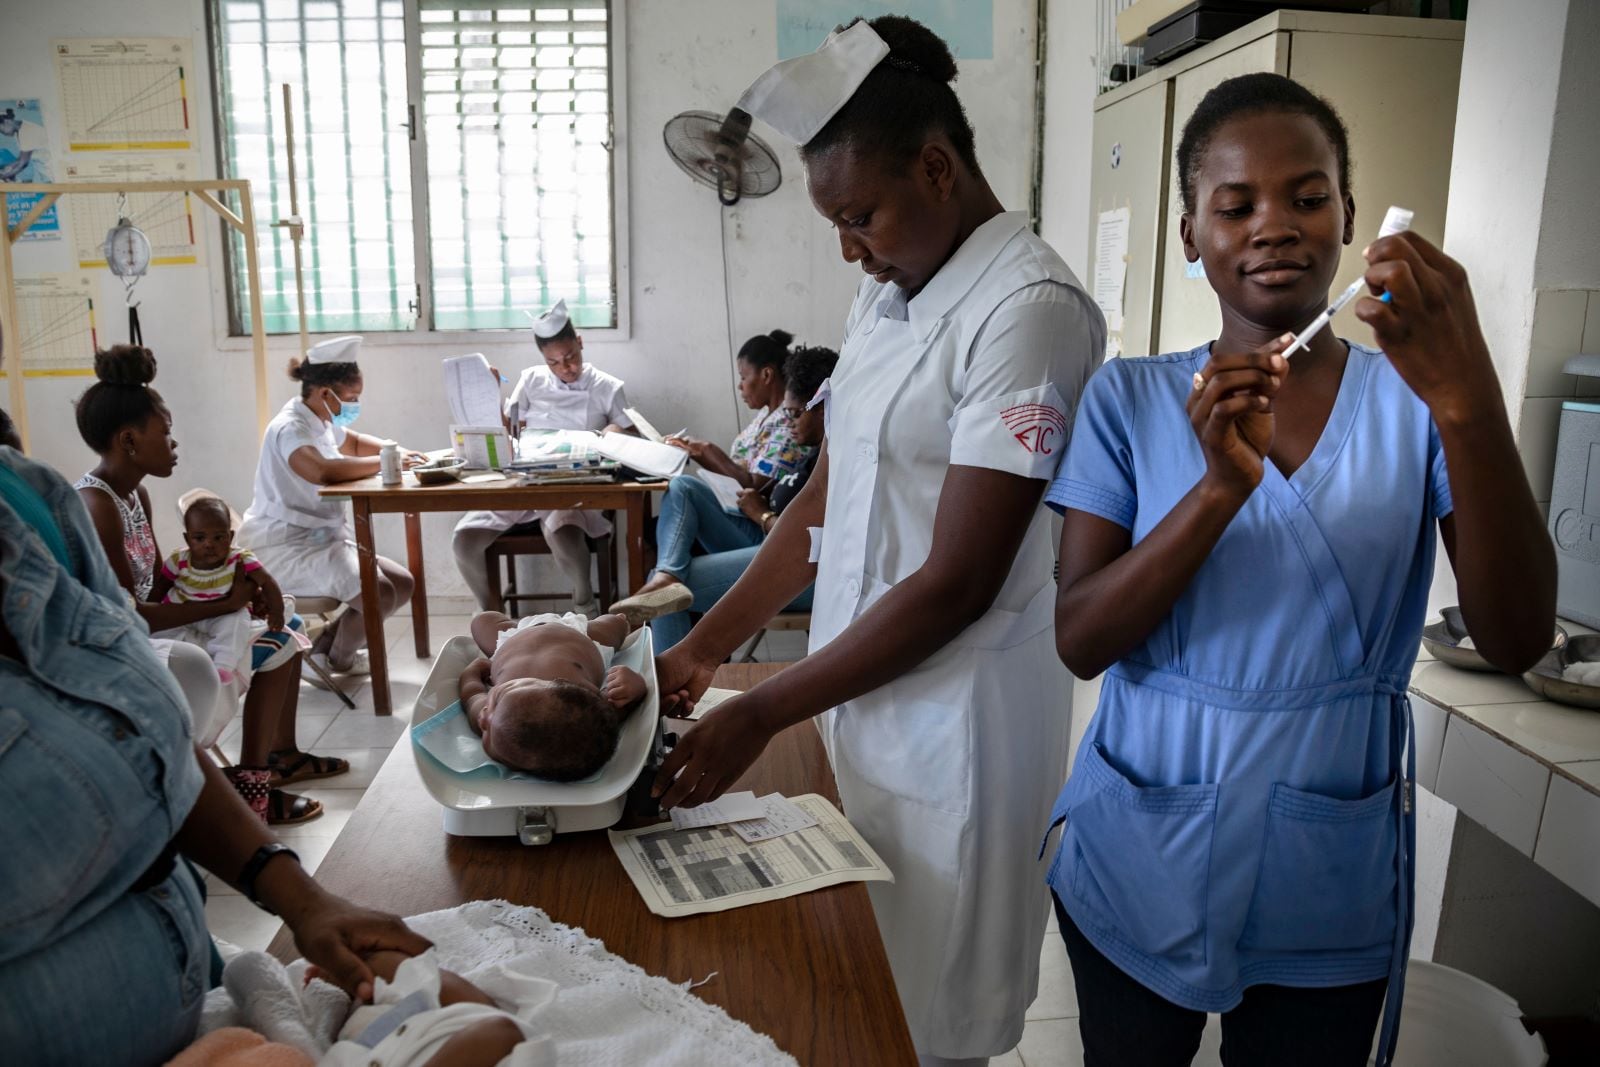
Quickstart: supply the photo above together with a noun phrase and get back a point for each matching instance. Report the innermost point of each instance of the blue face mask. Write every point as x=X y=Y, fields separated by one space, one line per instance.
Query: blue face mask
x=349 y=411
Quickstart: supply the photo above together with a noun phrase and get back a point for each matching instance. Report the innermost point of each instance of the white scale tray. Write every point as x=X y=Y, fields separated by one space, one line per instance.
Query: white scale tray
x=535 y=811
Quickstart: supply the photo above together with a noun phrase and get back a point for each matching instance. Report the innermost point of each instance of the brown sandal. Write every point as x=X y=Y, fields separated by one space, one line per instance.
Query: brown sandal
x=288 y=809
x=289 y=766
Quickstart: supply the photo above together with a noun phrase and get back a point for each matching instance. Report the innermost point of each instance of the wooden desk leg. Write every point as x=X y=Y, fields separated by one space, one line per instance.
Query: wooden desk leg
x=419 y=591
x=371 y=613
x=636 y=520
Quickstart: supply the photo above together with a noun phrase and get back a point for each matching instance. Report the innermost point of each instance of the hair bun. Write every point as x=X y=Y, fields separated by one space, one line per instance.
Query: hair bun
x=125 y=365
x=782 y=337
x=914 y=48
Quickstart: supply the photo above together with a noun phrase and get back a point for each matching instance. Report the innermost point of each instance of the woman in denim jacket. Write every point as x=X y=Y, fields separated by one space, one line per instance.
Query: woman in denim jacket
x=103 y=948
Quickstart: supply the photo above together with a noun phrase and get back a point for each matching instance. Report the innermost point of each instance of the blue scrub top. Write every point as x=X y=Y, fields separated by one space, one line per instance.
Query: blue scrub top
x=1237 y=814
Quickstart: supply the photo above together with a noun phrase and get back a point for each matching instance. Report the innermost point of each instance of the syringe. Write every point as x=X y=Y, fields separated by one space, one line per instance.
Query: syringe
x=1395 y=220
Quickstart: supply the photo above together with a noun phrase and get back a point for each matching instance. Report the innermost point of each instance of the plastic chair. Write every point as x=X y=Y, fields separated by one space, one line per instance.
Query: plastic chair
x=527 y=540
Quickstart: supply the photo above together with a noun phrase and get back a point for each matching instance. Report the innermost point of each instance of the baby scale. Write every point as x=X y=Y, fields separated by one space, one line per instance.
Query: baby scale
x=535 y=811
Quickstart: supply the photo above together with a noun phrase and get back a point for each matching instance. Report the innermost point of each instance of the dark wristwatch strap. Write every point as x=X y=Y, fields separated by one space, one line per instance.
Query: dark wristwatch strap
x=252 y=871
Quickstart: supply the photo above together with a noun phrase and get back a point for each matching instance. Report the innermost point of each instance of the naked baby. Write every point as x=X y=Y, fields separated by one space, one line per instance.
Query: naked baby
x=544 y=696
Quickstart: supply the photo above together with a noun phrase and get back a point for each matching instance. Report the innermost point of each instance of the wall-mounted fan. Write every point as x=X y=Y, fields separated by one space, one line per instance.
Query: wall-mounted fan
x=722 y=152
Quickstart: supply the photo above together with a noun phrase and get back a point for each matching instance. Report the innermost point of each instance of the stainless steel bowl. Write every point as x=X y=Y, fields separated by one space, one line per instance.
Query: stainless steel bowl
x=1545 y=677
x=439 y=471
x=1443 y=639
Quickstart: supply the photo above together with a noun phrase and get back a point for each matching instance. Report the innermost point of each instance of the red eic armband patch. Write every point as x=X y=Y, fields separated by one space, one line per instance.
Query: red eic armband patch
x=1037 y=427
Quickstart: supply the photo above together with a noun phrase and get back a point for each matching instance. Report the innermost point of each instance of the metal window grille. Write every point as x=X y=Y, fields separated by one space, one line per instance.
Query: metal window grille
x=515 y=158
x=345 y=61
x=517 y=121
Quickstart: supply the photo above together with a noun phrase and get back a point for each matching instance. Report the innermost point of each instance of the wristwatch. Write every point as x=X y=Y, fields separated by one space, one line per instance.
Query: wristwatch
x=252 y=871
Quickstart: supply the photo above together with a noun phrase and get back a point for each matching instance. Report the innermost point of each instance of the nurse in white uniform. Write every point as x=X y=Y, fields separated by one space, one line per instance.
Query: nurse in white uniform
x=564 y=394
x=964 y=355
x=303 y=538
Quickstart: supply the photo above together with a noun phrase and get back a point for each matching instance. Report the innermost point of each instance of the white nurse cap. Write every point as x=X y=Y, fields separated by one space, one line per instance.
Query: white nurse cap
x=335 y=350
x=798 y=96
x=551 y=322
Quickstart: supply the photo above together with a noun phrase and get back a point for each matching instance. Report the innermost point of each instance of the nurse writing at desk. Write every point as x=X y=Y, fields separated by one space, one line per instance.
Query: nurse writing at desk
x=1246 y=553
x=964 y=354
x=562 y=392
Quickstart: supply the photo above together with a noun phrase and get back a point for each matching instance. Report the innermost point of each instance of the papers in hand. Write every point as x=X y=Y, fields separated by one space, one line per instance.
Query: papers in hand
x=731 y=807
x=783 y=816
x=642 y=424
x=646 y=457
x=473 y=391
x=726 y=488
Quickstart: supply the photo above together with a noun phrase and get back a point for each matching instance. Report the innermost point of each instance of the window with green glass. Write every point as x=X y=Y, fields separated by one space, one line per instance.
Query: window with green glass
x=455 y=159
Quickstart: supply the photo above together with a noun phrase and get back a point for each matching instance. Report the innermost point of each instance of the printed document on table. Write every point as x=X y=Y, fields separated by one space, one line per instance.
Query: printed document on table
x=690 y=872
x=472 y=389
x=726 y=488
x=710 y=699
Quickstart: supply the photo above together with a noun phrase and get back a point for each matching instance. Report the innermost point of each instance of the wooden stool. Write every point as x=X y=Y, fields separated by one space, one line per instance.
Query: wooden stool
x=528 y=540
x=784 y=620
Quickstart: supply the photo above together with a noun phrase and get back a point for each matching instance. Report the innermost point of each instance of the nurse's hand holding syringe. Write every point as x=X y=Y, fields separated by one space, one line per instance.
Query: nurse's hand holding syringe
x=1396 y=220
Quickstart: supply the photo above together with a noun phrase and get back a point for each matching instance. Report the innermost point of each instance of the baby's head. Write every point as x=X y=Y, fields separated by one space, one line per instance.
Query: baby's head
x=208 y=531
x=559 y=730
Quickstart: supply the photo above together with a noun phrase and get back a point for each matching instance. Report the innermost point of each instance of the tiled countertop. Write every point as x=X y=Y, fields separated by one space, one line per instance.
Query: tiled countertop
x=1526 y=768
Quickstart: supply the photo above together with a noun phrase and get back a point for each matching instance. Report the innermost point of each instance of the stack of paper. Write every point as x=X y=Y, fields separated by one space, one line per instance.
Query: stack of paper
x=752 y=818
x=558 y=450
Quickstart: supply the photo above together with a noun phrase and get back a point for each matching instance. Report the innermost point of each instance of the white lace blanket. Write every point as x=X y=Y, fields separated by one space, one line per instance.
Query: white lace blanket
x=608 y=1011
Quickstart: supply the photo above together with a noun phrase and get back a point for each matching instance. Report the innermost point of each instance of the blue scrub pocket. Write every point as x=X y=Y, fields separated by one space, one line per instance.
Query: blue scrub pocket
x=1327 y=878
x=1142 y=858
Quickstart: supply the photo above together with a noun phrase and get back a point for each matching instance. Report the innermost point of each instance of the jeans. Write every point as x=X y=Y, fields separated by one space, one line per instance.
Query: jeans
x=710 y=577
x=690 y=513
x=1123 y=1022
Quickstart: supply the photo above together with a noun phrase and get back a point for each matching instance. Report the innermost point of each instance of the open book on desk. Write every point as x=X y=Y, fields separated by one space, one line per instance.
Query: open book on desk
x=646 y=457
x=557 y=450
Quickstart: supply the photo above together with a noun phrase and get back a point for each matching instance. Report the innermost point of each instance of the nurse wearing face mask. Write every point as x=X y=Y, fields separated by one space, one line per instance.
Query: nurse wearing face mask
x=931 y=640
x=302 y=538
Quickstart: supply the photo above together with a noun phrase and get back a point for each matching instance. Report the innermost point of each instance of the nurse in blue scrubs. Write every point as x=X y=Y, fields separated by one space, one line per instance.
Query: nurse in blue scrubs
x=1246 y=554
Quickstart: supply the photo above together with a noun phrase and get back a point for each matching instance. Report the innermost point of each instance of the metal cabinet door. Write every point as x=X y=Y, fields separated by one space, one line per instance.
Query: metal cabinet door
x=1129 y=170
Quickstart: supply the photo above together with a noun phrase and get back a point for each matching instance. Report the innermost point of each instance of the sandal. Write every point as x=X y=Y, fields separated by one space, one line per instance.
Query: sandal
x=288 y=809
x=289 y=766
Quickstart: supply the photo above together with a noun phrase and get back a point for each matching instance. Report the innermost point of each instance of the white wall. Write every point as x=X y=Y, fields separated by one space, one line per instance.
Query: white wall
x=784 y=265
x=1068 y=130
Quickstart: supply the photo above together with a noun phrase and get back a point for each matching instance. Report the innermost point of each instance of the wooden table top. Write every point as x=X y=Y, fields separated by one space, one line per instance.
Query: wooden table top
x=484 y=494
x=809 y=971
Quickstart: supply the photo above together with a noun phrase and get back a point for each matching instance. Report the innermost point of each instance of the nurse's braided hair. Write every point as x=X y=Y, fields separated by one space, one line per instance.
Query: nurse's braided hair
x=316 y=375
x=1251 y=94
x=122 y=396
x=905 y=100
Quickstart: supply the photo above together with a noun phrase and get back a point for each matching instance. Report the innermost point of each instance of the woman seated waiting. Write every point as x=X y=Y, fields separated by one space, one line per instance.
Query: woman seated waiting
x=709 y=576
x=764 y=451
x=126 y=422
x=104 y=956
x=302 y=537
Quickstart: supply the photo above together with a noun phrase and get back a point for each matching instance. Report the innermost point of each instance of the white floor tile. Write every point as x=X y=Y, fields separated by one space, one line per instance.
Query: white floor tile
x=1010 y=1059
x=1051 y=1043
x=235 y=919
x=1058 y=996
x=364 y=766
x=309 y=726
x=1210 y=1054
x=362 y=729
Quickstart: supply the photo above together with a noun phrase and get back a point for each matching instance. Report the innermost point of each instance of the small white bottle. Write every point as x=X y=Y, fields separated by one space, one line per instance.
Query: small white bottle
x=389 y=463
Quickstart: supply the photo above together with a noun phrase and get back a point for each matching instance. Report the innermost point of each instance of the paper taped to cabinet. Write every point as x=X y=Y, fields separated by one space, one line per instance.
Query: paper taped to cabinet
x=711 y=868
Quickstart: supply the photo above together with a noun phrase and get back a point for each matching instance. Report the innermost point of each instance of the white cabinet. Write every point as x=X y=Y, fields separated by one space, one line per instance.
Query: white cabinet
x=1393 y=80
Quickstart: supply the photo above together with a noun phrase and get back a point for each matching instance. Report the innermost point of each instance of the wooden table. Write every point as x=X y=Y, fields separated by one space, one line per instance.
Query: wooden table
x=369 y=497
x=809 y=971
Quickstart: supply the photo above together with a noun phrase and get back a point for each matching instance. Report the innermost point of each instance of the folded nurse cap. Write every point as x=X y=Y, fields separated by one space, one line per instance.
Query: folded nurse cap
x=798 y=96
x=551 y=322
x=335 y=350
